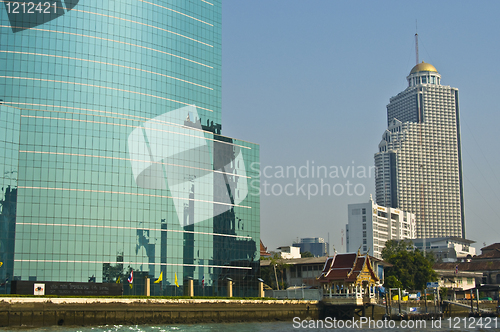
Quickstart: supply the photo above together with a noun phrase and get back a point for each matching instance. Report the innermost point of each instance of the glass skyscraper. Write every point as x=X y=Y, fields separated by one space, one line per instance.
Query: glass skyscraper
x=112 y=155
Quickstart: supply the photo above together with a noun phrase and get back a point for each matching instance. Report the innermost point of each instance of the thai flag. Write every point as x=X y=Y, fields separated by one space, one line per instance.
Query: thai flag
x=456 y=269
x=203 y=282
x=131 y=277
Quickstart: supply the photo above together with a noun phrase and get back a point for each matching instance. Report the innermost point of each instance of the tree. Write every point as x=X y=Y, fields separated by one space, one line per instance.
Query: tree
x=392 y=282
x=392 y=247
x=306 y=254
x=275 y=272
x=410 y=267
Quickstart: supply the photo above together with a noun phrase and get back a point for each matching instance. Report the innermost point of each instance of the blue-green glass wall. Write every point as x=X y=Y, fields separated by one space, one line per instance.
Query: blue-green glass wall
x=111 y=121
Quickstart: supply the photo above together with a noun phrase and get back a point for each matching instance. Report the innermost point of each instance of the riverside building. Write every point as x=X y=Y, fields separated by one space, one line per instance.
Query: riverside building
x=370 y=226
x=112 y=155
x=419 y=163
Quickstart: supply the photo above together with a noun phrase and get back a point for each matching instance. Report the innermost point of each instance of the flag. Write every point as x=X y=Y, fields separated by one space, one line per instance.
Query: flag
x=1 y=263
x=118 y=280
x=203 y=282
x=160 y=278
x=131 y=279
x=456 y=269
x=176 y=282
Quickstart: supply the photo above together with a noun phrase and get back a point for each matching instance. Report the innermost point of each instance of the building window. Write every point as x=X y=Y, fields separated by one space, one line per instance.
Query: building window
x=364 y=241
x=364 y=226
x=363 y=211
x=364 y=248
x=364 y=218
x=364 y=233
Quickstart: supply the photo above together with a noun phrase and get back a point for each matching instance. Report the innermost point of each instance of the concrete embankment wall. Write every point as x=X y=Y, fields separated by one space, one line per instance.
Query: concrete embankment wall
x=37 y=312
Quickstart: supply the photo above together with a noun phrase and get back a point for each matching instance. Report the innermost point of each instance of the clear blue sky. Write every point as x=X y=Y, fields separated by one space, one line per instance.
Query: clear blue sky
x=310 y=81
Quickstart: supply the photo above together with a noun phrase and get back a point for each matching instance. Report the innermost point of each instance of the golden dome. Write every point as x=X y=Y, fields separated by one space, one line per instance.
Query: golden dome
x=423 y=67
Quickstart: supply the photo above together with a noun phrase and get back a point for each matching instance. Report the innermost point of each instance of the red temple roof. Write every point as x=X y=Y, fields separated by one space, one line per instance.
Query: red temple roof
x=346 y=267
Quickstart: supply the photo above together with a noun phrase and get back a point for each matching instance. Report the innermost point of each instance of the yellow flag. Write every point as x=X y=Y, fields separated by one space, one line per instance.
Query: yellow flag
x=176 y=283
x=118 y=280
x=1 y=263
x=160 y=278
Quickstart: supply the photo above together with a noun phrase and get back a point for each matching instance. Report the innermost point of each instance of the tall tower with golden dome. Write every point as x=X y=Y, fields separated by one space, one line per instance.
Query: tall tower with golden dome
x=419 y=163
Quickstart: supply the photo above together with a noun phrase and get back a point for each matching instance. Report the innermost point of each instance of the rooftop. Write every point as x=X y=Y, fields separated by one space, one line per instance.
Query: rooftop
x=423 y=67
x=469 y=266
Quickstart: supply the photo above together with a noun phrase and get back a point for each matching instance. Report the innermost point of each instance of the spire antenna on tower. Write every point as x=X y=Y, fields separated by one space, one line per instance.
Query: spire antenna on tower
x=416 y=41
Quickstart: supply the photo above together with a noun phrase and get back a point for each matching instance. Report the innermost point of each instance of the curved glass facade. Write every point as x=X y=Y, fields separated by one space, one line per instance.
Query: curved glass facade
x=113 y=159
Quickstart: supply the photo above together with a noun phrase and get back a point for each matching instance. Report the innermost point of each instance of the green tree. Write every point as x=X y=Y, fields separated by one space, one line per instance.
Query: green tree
x=392 y=247
x=306 y=254
x=274 y=274
x=392 y=282
x=410 y=267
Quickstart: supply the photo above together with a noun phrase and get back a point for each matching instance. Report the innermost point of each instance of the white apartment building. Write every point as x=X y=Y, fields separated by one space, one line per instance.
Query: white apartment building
x=419 y=164
x=371 y=225
x=447 y=249
x=289 y=252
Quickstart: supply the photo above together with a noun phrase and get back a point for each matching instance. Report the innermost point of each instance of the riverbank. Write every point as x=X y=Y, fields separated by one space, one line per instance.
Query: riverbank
x=63 y=311
x=38 y=312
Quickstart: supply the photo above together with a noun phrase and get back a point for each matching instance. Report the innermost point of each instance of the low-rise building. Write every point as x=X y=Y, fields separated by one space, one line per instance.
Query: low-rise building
x=349 y=275
x=447 y=249
x=289 y=252
x=489 y=253
x=305 y=271
x=263 y=251
x=484 y=269
x=459 y=282
x=488 y=272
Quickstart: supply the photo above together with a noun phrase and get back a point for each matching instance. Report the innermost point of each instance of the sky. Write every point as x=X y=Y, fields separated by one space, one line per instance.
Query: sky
x=309 y=82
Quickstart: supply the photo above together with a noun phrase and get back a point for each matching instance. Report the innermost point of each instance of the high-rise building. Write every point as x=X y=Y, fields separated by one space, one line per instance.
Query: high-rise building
x=370 y=226
x=419 y=164
x=111 y=146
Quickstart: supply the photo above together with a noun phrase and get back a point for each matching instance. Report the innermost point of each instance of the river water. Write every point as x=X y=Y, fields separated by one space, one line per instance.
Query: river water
x=445 y=324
